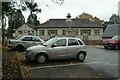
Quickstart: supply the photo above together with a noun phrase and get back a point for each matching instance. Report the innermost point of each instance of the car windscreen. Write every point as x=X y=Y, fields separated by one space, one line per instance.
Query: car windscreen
x=17 y=37
x=49 y=42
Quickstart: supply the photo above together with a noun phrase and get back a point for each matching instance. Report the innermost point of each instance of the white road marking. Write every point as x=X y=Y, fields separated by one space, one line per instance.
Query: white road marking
x=65 y=65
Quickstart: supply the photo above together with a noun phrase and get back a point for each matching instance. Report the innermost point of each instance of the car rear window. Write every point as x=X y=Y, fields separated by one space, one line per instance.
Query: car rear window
x=72 y=42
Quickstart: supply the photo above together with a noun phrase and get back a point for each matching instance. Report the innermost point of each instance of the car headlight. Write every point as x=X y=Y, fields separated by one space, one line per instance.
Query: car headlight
x=28 y=52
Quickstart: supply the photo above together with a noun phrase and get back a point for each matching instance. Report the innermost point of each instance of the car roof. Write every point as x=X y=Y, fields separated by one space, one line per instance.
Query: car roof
x=29 y=35
x=66 y=38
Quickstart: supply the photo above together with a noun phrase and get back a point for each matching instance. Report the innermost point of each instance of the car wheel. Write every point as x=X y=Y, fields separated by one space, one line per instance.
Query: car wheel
x=41 y=58
x=117 y=47
x=105 y=47
x=20 y=48
x=81 y=56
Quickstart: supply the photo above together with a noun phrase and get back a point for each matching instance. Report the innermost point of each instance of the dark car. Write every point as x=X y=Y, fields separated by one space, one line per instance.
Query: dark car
x=113 y=43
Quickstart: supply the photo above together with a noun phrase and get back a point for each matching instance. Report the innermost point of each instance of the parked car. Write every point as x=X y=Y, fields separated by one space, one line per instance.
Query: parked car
x=20 y=43
x=57 y=48
x=114 y=42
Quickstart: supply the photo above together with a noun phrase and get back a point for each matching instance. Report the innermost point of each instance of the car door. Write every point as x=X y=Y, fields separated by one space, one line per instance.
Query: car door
x=27 y=41
x=72 y=48
x=58 y=49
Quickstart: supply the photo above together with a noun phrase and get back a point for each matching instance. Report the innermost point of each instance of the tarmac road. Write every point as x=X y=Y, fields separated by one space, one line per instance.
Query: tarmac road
x=99 y=63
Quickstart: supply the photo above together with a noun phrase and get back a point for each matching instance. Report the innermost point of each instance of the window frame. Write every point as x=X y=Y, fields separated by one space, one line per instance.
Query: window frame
x=97 y=31
x=41 y=32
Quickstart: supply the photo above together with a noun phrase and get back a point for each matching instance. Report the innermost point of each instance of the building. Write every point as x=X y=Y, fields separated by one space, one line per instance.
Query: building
x=83 y=28
x=119 y=8
x=26 y=29
x=111 y=30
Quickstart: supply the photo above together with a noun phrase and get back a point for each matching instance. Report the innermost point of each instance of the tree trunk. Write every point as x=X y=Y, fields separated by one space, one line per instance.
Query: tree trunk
x=3 y=29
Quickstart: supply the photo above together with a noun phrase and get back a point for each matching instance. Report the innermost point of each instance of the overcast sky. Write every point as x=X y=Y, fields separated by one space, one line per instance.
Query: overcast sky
x=103 y=9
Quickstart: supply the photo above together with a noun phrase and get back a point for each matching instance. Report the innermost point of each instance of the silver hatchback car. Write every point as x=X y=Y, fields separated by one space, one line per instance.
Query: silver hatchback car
x=57 y=48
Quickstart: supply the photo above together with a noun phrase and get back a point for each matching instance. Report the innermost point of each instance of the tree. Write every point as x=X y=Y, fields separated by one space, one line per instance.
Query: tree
x=114 y=19
x=33 y=8
x=15 y=20
x=97 y=20
x=59 y=2
x=32 y=19
x=90 y=17
x=105 y=23
x=85 y=16
x=0 y=11
x=6 y=9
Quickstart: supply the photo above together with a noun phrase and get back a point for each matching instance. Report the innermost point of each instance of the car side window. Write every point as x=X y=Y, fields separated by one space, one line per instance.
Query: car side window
x=80 y=42
x=27 y=39
x=72 y=42
x=35 y=39
x=61 y=42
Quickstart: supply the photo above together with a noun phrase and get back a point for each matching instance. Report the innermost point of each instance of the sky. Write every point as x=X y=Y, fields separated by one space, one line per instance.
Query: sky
x=102 y=9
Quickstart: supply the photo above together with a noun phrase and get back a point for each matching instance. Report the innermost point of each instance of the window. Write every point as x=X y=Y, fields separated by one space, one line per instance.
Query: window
x=63 y=32
x=35 y=39
x=19 y=32
x=87 y=32
x=27 y=39
x=61 y=42
x=52 y=32
x=76 y=32
x=29 y=33
x=32 y=32
x=41 y=33
x=97 y=32
x=72 y=42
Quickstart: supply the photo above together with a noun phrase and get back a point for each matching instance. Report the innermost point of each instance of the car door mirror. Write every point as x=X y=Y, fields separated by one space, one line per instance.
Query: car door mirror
x=54 y=45
x=42 y=43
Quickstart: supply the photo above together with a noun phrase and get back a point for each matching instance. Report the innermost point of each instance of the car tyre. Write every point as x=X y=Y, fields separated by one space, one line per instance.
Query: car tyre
x=20 y=48
x=116 y=47
x=105 y=47
x=81 y=56
x=41 y=58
